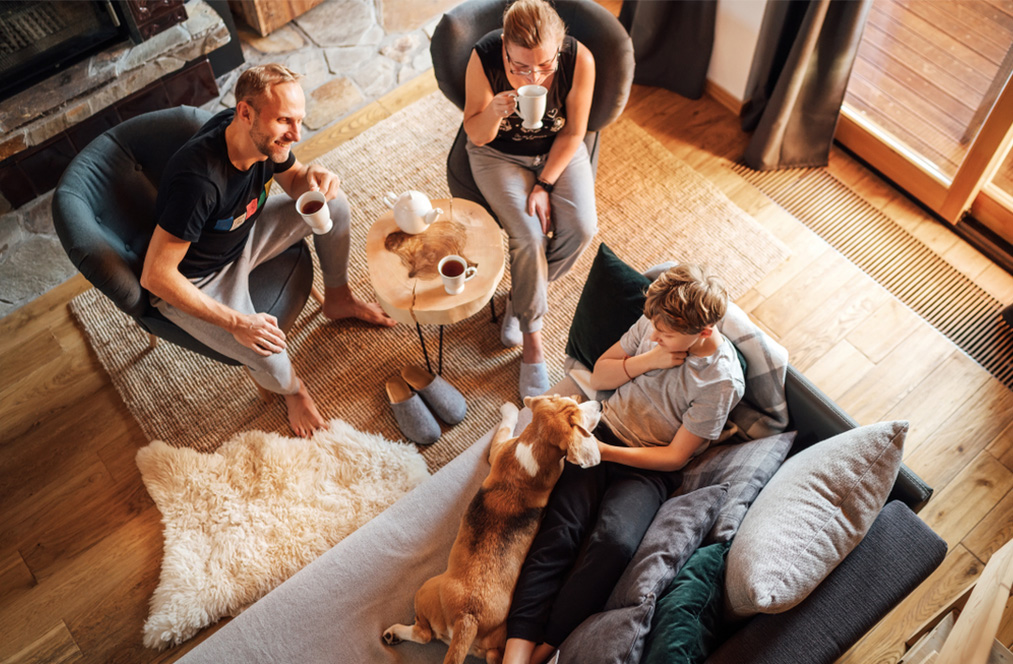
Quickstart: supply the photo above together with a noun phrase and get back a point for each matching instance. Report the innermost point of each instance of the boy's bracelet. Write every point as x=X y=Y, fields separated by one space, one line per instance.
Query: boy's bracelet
x=624 y=367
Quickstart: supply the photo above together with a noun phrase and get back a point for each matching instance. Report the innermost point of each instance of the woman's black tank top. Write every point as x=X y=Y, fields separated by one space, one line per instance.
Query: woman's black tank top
x=512 y=137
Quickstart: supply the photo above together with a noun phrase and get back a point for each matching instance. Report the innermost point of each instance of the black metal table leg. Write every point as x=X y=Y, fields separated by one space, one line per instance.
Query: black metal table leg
x=492 y=308
x=440 y=370
x=418 y=329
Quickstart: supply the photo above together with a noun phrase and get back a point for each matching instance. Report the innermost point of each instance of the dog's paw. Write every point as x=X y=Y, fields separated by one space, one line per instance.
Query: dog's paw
x=390 y=638
x=509 y=411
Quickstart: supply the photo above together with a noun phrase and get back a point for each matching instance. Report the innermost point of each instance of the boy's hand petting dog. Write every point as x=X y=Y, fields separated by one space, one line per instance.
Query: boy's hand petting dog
x=662 y=359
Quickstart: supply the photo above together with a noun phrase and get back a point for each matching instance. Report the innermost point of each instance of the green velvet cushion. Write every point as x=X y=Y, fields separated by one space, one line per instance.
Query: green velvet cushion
x=612 y=300
x=687 y=616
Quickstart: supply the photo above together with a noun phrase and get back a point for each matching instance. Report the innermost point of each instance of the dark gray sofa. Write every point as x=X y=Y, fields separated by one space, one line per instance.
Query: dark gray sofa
x=335 y=609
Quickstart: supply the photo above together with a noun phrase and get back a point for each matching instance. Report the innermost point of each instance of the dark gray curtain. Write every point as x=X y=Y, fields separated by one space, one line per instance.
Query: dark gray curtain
x=672 y=42
x=797 y=80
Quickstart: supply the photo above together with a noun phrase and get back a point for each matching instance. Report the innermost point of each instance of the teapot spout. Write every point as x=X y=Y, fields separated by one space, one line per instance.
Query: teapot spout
x=433 y=215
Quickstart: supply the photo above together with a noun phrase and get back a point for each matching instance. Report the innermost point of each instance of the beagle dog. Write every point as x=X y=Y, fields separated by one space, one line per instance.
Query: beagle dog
x=466 y=606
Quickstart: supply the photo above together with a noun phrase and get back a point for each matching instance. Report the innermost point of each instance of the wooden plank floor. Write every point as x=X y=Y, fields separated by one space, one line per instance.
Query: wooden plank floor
x=80 y=541
x=924 y=67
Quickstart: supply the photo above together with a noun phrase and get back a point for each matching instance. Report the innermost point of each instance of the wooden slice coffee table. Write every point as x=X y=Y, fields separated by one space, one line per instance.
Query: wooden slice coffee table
x=402 y=267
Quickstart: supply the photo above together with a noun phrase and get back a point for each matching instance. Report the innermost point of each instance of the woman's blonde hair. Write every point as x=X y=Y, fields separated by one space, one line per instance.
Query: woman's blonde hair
x=530 y=23
x=256 y=81
x=686 y=299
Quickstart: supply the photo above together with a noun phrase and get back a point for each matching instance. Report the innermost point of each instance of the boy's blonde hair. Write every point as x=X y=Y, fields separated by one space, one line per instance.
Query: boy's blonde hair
x=686 y=299
x=256 y=81
x=529 y=23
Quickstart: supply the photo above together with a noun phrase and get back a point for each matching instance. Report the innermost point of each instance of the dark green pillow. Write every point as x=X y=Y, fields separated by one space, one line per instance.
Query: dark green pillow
x=687 y=616
x=612 y=301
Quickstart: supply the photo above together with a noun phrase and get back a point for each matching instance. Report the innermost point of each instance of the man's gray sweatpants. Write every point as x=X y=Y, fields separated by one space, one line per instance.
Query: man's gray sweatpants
x=505 y=181
x=278 y=227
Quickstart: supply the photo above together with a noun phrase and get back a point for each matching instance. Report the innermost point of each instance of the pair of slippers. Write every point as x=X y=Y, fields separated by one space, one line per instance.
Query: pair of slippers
x=415 y=395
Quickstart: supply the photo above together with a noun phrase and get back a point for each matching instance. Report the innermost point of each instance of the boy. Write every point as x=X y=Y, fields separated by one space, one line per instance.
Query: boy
x=675 y=379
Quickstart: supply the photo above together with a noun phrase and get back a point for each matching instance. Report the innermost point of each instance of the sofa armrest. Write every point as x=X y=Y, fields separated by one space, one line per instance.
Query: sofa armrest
x=817 y=418
x=896 y=555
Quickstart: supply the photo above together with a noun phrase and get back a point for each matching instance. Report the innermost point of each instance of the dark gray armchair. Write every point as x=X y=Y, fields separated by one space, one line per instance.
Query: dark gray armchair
x=590 y=23
x=104 y=213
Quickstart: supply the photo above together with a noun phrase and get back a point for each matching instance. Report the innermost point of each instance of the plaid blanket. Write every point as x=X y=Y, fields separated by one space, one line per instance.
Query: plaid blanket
x=764 y=409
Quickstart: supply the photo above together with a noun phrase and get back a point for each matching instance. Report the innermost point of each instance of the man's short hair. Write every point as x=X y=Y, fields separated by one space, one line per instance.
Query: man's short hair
x=256 y=81
x=687 y=298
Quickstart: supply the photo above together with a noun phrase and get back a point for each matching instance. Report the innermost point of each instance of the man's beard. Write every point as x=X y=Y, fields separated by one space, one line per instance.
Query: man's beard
x=267 y=147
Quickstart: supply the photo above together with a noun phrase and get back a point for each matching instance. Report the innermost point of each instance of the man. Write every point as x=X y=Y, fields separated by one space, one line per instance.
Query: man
x=216 y=223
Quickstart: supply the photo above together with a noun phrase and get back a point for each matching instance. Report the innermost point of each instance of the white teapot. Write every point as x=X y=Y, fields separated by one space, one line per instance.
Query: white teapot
x=412 y=211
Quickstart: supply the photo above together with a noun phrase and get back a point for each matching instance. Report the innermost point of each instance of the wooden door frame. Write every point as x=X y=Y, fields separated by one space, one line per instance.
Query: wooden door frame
x=948 y=197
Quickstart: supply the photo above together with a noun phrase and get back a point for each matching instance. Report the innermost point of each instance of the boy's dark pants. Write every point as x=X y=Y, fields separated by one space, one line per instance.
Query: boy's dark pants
x=596 y=516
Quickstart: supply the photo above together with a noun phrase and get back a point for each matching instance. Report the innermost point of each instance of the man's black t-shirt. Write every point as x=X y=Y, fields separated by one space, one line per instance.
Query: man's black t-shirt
x=208 y=202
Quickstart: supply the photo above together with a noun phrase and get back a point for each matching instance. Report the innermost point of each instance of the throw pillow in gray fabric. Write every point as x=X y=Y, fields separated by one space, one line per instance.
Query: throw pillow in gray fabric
x=745 y=467
x=814 y=510
x=616 y=635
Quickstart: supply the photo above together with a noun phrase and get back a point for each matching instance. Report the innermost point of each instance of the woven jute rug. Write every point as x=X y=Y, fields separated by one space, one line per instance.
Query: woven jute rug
x=652 y=207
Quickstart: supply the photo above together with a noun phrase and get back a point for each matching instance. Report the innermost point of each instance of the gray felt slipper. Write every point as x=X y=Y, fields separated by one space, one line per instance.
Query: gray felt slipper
x=534 y=379
x=413 y=418
x=443 y=398
x=510 y=333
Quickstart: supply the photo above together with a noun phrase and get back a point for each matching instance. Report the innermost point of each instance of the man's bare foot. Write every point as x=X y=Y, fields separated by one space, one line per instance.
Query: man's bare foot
x=340 y=303
x=303 y=416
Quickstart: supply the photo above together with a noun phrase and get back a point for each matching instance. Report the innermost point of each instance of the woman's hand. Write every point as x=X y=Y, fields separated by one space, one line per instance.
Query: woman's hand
x=538 y=204
x=503 y=104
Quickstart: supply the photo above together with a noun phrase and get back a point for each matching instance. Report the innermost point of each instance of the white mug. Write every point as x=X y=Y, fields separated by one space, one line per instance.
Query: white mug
x=531 y=101
x=454 y=271
x=313 y=207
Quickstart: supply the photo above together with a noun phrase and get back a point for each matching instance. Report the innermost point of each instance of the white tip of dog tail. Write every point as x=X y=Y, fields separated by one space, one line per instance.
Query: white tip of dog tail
x=508 y=409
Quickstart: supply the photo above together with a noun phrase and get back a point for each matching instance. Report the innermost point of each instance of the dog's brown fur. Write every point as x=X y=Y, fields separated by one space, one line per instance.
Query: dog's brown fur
x=466 y=606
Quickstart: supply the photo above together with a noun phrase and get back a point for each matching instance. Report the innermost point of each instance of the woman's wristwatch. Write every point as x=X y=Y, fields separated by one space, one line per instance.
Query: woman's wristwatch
x=544 y=185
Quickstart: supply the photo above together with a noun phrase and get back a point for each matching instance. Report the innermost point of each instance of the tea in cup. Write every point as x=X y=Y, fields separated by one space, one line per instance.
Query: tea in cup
x=454 y=271
x=531 y=101
x=313 y=207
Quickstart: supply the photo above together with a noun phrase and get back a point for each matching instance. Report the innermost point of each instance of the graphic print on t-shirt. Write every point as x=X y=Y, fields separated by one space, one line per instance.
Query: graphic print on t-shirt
x=226 y=225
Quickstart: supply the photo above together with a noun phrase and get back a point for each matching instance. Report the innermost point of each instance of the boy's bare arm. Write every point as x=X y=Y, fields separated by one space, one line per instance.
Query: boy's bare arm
x=664 y=458
x=610 y=371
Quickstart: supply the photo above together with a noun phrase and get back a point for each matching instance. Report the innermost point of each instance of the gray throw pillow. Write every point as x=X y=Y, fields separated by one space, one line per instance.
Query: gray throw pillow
x=745 y=467
x=814 y=510
x=617 y=634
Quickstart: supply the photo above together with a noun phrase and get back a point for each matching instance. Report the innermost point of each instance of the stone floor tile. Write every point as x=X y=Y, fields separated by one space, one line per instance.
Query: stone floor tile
x=331 y=101
x=312 y=64
x=283 y=40
x=407 y=15
x=376 y=77
x=345 y=59
x=402 y=48
x=338 y=22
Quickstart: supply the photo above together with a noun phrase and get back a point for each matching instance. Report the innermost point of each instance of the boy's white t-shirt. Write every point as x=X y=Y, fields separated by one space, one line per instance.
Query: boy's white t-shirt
x=698 y=394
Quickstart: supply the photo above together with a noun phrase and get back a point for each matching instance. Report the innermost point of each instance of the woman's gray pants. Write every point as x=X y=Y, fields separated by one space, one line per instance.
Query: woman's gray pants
x=505 y=181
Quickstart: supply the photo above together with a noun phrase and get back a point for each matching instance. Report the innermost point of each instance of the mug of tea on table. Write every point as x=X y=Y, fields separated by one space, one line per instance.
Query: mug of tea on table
x=313 y=207
x=454 y=271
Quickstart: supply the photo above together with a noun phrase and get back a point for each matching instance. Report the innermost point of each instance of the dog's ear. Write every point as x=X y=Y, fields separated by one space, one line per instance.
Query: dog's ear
x=583 y=449
x=528 y=400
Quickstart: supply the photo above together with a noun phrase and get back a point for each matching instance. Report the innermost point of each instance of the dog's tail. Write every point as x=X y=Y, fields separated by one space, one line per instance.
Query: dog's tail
x=465 y=631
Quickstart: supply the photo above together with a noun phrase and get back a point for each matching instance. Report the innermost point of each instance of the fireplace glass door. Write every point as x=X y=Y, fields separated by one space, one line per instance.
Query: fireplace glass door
x=39 y=39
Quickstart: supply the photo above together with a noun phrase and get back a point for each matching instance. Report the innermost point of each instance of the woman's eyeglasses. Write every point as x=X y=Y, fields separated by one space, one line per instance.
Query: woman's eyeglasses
x=528 y=71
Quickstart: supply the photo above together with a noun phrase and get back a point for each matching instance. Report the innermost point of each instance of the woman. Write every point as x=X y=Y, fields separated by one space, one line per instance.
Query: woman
x=538 y=182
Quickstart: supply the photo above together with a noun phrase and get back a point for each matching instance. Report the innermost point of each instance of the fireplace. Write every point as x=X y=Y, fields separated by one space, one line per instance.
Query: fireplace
x=39 y=39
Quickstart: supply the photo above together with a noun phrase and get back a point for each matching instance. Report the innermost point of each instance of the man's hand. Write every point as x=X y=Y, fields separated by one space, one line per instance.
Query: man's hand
x=260 y=333
x=538 y=204
x=662 y=359
x=322 y=180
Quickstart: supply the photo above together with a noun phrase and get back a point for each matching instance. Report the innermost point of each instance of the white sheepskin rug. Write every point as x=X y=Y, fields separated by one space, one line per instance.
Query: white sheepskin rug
x=242 y=520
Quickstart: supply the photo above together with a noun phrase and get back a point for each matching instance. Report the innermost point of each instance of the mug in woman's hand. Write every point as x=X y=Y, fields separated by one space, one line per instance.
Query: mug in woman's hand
x=531 y=101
